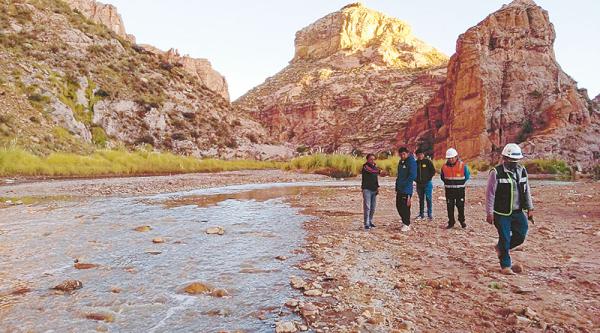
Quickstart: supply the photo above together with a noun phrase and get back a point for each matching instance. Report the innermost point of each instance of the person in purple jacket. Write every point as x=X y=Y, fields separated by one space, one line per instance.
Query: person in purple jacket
x=407 y=173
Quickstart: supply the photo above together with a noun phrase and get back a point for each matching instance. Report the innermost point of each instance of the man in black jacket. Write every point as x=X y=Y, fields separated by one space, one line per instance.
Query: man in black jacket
x=370 y=189
x=425 y=172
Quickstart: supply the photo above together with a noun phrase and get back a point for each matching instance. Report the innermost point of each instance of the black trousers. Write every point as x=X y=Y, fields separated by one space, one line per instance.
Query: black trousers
x=455 y=197
x=403 y=208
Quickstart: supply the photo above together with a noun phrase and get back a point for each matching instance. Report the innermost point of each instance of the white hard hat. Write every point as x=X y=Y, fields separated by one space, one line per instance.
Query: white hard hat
x=451 y=153
x=512 y=151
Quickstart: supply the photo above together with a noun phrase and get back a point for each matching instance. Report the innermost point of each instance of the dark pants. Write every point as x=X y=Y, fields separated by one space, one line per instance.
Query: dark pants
x=455 y=197
x=403 y=207
x=512 y=231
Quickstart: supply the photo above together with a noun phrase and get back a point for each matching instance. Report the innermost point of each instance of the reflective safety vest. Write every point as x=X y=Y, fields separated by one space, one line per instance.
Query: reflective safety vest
x=454 y=176
x=505 y=190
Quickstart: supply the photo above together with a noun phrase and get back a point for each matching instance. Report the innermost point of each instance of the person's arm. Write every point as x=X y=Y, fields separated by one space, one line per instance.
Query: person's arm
x=467 y=173
x=490 y=196
x=398 y=178
x=412 y=171
x=442 y=176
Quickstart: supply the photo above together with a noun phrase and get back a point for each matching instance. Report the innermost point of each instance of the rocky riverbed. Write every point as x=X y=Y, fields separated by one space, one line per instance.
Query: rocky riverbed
x=275 y=251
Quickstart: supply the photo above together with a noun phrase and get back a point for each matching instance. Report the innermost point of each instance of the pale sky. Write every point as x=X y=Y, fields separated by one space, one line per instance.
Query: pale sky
x=250 y=40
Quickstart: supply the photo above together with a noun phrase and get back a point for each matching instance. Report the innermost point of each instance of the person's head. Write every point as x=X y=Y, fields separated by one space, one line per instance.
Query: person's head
x=403 y=152
x=371 y=158
x=420 y=154
x=511 y=155
x=451 y=155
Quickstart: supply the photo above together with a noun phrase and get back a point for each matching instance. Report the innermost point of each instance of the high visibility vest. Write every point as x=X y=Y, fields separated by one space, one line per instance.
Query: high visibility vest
x=454 y=176
x=505 y=188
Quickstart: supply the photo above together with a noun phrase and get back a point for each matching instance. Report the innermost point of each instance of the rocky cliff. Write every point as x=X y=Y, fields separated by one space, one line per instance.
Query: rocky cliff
x=504 y=85
x=357 y=76
x=70 y=84
x=201 y=69
x=102 y=14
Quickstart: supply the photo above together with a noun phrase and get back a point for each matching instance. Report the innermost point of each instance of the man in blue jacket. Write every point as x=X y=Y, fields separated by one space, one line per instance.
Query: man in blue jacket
x=407 y=172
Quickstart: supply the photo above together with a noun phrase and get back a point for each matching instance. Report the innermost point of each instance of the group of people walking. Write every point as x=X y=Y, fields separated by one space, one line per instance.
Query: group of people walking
x=508 y=194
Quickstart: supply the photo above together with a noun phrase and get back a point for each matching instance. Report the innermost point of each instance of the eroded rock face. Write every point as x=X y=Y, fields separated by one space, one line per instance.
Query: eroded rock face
x=201 y=69
x=102 y=13
x=357 y=77
x=504 y=85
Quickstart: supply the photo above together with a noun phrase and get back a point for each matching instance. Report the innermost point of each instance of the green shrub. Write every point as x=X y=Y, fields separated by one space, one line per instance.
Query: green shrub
x=596 y=172
x=99 y=136
x=554 y=167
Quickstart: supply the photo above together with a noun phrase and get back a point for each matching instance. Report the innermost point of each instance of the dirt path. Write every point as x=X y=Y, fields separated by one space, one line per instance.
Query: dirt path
x=431 y=279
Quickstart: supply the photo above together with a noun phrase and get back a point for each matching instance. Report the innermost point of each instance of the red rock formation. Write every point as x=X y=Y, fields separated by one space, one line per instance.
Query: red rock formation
x=504 y=85
x=356 y=78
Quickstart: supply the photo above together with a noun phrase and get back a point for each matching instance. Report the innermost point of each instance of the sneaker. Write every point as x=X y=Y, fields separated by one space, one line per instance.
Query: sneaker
x=419 y=218
x=507 y=271
x=463 y=225
x=405 y=228
x=367 y=227
x=450 y=226
x=430 y=218
x=372 y=225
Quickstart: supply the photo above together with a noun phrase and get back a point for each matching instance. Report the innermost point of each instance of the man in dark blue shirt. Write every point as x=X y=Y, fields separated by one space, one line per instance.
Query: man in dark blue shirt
x=407 y=172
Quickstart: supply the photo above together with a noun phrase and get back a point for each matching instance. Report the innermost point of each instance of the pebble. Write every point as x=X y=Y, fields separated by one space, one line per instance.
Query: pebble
x=282 y=258
x=297 y=283
x=219 y=293
x=215 y=231
x=80 y=265
x=308 y=310
x=69 y=285
x=143 y=228
x=106 y=317
x=196 y=288
x=286 y=327
x=158 y=240
x=517 y=268
x=313 y=292
x=292 y=303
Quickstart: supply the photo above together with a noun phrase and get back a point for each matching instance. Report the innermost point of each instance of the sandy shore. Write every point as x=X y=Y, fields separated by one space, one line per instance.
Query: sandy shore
x=427 y=280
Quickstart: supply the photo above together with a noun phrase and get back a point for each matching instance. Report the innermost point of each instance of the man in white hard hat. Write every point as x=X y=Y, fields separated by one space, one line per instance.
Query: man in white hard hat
x=455 y=175
x=508 y=195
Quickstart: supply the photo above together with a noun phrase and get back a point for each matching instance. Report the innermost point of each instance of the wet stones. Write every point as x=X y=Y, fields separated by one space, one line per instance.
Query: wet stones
x=106 y=317
x=158 y=240
x=219 y=293
x=69 y=285
x=201 y=288
x=197 y=288
x=281 y=258
x=143 y=228
x=215 y=231
x=80 y=265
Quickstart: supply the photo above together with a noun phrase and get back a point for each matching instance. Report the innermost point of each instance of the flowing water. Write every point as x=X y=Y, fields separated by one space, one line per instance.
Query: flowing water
x=138 y=285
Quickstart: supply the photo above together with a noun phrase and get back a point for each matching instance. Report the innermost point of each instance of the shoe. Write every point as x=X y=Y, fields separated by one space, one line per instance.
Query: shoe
x=463 y=225
x=450 y=226
x=367 y=227
x=419 y=218
x=507 y=271
x=430 y=218
x=405 y=228
x=372 y=225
